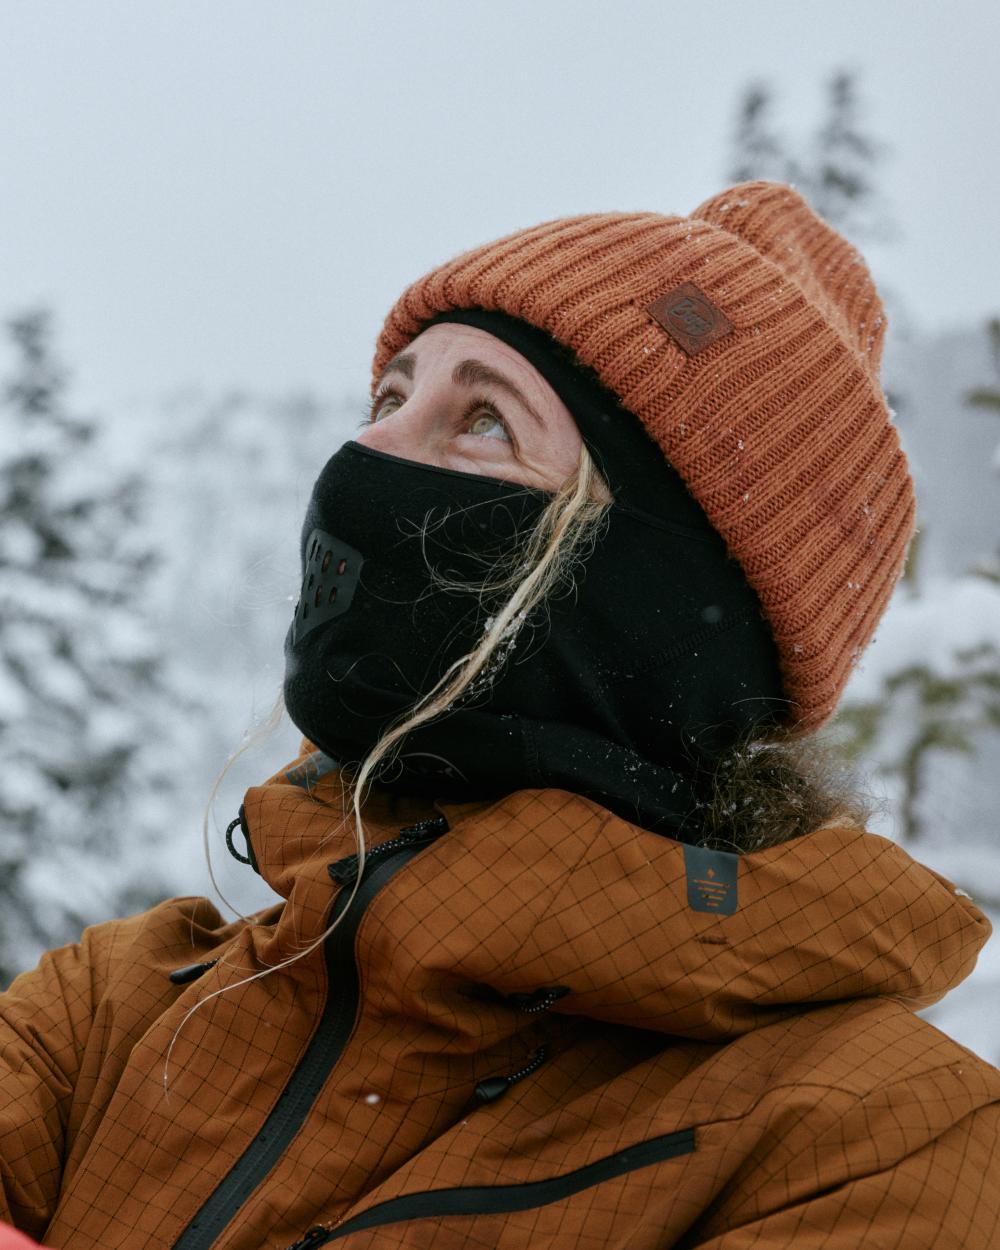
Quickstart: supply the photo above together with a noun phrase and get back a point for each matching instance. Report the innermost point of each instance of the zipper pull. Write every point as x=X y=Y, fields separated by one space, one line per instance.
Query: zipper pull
x=541 y=1000
x=190 y=972
x=495 y=1087
x=314 y=1237
x=345 y=871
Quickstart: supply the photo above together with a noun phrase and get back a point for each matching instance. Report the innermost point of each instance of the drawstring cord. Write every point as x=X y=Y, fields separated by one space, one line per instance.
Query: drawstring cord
x=535 y=1004
x=487 y=1091
x=248 y=858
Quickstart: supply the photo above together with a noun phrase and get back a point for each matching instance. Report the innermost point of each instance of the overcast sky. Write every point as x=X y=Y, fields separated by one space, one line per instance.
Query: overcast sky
x=233 y=192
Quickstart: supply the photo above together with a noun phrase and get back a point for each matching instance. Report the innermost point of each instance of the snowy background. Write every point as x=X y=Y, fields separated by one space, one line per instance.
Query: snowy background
x=207 y=211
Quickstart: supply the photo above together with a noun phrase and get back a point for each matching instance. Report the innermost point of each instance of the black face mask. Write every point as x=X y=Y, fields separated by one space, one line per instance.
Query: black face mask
x=621 y=690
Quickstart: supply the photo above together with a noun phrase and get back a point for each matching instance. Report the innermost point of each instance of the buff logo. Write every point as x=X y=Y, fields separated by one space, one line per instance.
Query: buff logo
x=690 y=318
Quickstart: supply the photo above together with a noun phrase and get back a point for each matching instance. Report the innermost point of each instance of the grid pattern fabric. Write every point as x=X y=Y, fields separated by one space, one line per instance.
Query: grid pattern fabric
x=779 y=428
x=777 y=1041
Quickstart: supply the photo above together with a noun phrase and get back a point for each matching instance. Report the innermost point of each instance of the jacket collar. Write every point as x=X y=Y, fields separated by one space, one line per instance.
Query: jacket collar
x=543 y=888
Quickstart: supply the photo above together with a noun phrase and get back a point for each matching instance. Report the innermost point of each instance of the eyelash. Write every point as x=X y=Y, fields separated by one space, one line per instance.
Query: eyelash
x=480 y=404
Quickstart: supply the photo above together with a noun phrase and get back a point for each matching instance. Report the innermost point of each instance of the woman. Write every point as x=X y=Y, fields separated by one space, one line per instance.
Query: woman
x=574 y=953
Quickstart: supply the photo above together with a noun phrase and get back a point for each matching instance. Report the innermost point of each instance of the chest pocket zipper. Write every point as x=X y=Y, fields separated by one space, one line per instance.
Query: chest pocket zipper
x=504 y=1199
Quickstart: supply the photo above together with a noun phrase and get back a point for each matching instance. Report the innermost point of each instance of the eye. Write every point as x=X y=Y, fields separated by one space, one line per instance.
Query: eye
x=384 y=403
x=488 y=425
x=481 y=418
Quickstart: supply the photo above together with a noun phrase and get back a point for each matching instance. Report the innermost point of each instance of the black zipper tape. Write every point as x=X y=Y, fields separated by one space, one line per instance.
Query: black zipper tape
x=345 y=871
x=314 y=1237
x=503 y=1199
x=322 y=1053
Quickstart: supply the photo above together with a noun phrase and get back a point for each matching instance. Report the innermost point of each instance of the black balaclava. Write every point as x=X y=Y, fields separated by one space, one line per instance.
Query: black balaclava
x=624 y=690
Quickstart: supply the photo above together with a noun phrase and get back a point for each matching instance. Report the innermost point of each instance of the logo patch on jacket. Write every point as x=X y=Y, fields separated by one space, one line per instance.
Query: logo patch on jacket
x=690 y=318
x=309 y=770
x=711 y=879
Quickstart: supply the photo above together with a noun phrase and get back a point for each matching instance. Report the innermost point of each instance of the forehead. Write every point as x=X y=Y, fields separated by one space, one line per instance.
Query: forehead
x=458 y=341
x=463 y=356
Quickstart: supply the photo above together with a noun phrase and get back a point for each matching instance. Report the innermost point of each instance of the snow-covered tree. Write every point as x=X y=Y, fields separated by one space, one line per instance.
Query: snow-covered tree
x=229 y=477
x=759 y=149
x=932 y=687
x=988 y=397
x=924 y=714
x=233 y=474
x=85 y=710
x=921 y=713
x=840 y=172
x=836 y=170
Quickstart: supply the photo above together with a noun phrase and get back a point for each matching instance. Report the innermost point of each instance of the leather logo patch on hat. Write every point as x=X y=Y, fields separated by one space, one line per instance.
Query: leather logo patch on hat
x=690 y=318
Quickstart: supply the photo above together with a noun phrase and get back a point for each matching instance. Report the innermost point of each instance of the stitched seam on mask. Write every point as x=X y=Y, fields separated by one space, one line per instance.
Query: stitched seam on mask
x=672 y=527
x=514 y=488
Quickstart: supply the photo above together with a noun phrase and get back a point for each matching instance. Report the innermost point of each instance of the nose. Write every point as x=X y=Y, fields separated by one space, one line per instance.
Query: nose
x=408 y=432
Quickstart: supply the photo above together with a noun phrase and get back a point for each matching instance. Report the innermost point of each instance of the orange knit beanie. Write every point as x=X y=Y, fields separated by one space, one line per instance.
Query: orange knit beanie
x=747 y=339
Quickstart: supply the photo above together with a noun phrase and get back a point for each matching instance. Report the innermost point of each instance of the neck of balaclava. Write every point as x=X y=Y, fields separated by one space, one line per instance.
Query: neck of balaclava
x=482 y=754
x=625 y=691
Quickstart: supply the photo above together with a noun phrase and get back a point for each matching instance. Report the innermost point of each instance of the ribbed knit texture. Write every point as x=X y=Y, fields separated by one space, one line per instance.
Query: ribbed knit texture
x=780 y=429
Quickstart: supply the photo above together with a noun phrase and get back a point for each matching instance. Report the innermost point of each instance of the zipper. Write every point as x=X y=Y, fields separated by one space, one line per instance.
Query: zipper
x=324 y=1049
x=314 y=1237
x=504 y=1199
x=345 y=871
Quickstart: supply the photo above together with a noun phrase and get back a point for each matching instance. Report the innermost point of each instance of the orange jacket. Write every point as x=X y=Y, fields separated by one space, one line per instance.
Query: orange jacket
x=721 y=1053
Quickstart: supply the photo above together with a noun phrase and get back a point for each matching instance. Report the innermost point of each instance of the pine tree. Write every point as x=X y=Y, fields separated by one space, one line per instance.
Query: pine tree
x=837 y=171
x=988 y=397
x=921 y=711
x=84 y=706
x=759 y=151
x=840 y=172
x=925 y=709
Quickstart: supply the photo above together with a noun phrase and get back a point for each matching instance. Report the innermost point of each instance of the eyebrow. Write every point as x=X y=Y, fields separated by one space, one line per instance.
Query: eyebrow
x=469 y=373
x=405 y=363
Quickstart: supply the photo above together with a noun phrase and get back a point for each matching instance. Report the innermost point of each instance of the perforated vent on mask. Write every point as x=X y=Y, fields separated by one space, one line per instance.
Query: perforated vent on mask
x=331 y=575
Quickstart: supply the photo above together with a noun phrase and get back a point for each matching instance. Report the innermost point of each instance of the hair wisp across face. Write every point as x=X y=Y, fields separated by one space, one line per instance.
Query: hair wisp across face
x=564 y=530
